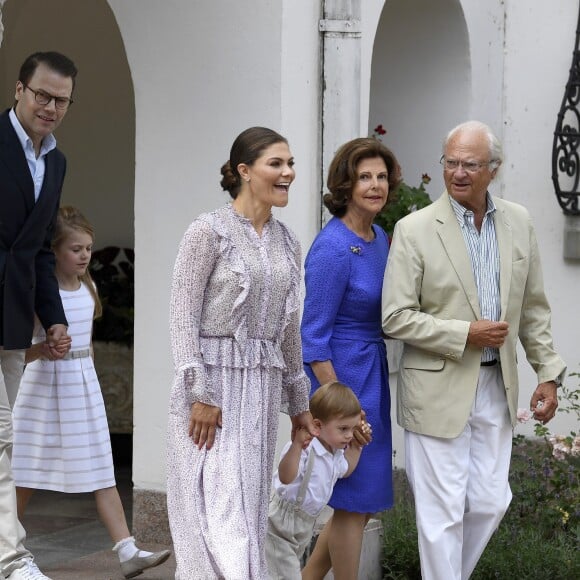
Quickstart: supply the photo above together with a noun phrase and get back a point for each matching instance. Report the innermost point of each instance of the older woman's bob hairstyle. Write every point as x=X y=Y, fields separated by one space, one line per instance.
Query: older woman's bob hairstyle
x=343 y=175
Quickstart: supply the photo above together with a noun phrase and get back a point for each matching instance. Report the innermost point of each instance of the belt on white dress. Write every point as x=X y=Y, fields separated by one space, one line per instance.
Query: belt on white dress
x=85 y=352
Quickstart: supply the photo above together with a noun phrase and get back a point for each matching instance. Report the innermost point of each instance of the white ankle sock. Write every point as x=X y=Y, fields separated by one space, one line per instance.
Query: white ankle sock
x=126 y=549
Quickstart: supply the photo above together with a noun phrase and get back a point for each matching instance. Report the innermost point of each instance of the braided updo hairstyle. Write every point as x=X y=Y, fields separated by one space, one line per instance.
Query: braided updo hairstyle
x=343 y=175
x=247 y=147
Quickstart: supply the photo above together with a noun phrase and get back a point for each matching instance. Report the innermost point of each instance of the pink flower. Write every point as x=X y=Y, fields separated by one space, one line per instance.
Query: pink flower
x=563 y=446
x=576 y=446
x=560 y=451
x=524 y=415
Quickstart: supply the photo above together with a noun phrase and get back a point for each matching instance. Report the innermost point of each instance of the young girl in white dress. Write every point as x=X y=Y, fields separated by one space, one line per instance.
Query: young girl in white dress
x=61 y=436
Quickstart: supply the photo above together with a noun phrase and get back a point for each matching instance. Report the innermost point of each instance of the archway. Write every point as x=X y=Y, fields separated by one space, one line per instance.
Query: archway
x=97 y=137
x=420 y=82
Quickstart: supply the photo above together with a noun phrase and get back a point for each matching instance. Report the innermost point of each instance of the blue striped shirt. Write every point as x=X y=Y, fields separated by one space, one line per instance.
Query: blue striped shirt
x=484 y=255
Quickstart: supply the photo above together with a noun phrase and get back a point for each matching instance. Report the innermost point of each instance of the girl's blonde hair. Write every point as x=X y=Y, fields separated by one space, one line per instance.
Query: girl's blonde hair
x=70 y=218
x=334 y=400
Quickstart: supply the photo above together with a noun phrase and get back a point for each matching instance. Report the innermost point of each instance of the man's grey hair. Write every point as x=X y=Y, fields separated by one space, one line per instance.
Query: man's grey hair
x=495 y=148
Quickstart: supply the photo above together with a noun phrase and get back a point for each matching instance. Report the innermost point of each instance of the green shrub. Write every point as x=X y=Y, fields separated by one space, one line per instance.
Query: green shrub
x=400 y=557
x=401 y=202
x=538 y=537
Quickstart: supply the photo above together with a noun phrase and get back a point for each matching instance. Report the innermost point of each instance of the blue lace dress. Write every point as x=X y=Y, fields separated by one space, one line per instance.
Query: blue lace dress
x=342 y=323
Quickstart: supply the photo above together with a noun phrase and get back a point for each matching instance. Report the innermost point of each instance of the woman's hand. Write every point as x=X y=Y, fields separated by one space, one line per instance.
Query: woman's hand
x=202 y=424
x=363 y=433
x=304 y=421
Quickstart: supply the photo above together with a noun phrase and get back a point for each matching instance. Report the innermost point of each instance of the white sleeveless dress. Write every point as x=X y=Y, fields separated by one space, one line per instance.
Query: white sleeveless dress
x=61 y=435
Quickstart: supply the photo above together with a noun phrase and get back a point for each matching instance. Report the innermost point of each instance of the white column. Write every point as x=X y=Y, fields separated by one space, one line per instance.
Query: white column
x=341 y=38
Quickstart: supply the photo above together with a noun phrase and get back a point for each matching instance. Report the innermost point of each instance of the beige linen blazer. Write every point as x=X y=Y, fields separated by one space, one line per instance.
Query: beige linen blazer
x=430 y=299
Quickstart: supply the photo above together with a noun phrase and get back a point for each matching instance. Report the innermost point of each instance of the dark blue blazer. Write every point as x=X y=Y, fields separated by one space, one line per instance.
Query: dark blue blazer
x=27 y=280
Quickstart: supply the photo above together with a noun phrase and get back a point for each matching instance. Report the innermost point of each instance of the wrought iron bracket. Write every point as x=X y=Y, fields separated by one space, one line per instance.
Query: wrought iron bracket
x=565 y=152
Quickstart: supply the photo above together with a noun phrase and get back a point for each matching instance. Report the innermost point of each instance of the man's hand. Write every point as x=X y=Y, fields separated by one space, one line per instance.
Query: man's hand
x=544 y=402
x=484 y=333
x=203 y=422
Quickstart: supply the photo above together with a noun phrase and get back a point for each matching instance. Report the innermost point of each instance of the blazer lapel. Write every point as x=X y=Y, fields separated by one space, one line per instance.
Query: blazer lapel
x=504 y=233
x=452 y=239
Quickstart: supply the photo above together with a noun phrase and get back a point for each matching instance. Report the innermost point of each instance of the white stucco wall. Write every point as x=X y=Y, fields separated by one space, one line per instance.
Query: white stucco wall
x=195 y=90
x=539 y=42
x=202 y=72
x=200 y=78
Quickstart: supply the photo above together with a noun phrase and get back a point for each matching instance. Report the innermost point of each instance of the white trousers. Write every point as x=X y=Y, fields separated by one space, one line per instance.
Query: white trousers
x=461 y=485
x=290 y=531
x=11 y=531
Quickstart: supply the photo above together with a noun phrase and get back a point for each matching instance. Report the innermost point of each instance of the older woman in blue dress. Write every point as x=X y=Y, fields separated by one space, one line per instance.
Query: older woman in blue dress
x=342 y=339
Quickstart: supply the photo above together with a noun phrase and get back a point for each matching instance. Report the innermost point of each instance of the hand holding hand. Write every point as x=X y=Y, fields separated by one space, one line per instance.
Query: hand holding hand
x=544 y=402
x=202 y=424
x=58 y=341
x=363 y=433
x=304 y=421
x=302 y=438
x=484 y=333
x=60 y=348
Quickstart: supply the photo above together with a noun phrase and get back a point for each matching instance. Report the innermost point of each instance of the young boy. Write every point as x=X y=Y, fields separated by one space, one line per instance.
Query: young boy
x=306 y=476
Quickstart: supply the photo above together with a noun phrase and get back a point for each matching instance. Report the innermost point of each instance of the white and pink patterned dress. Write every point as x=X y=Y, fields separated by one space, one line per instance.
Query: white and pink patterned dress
x=236 y=344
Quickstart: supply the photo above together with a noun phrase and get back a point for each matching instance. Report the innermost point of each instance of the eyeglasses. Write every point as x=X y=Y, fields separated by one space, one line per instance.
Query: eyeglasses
x=43 y=98
x=469 y=166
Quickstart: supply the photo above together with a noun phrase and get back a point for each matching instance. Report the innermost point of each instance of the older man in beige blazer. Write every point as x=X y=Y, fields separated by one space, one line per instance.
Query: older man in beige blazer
x=463 y=283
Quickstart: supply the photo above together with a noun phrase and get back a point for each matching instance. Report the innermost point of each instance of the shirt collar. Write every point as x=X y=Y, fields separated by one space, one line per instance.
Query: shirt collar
x=48 y=143
x=461 y=212
x=319 y=448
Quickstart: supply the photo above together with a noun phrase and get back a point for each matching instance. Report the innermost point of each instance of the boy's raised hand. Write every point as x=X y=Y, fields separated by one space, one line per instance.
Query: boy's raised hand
x=302 y=437
x=304 y=421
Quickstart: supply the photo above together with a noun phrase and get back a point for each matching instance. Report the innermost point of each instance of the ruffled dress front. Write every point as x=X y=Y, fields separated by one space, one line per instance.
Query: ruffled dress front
x=236 y=345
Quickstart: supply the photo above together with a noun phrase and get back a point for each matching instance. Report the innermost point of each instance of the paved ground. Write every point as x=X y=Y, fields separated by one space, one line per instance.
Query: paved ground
x=69 y=542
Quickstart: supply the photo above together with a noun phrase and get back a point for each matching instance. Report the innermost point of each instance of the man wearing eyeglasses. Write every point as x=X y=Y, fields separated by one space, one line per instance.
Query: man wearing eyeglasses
x=32 y=171
x=463 y=283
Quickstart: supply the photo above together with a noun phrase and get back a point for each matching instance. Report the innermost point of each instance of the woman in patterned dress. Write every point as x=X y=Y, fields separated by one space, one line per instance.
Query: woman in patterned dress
x=236 y=347
x=342 y=339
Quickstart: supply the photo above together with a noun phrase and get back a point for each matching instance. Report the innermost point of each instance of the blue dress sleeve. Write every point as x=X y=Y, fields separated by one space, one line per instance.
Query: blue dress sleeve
x=327 y=272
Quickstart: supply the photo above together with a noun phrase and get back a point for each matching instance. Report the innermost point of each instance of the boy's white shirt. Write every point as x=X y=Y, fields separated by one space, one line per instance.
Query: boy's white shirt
x=327 y=469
